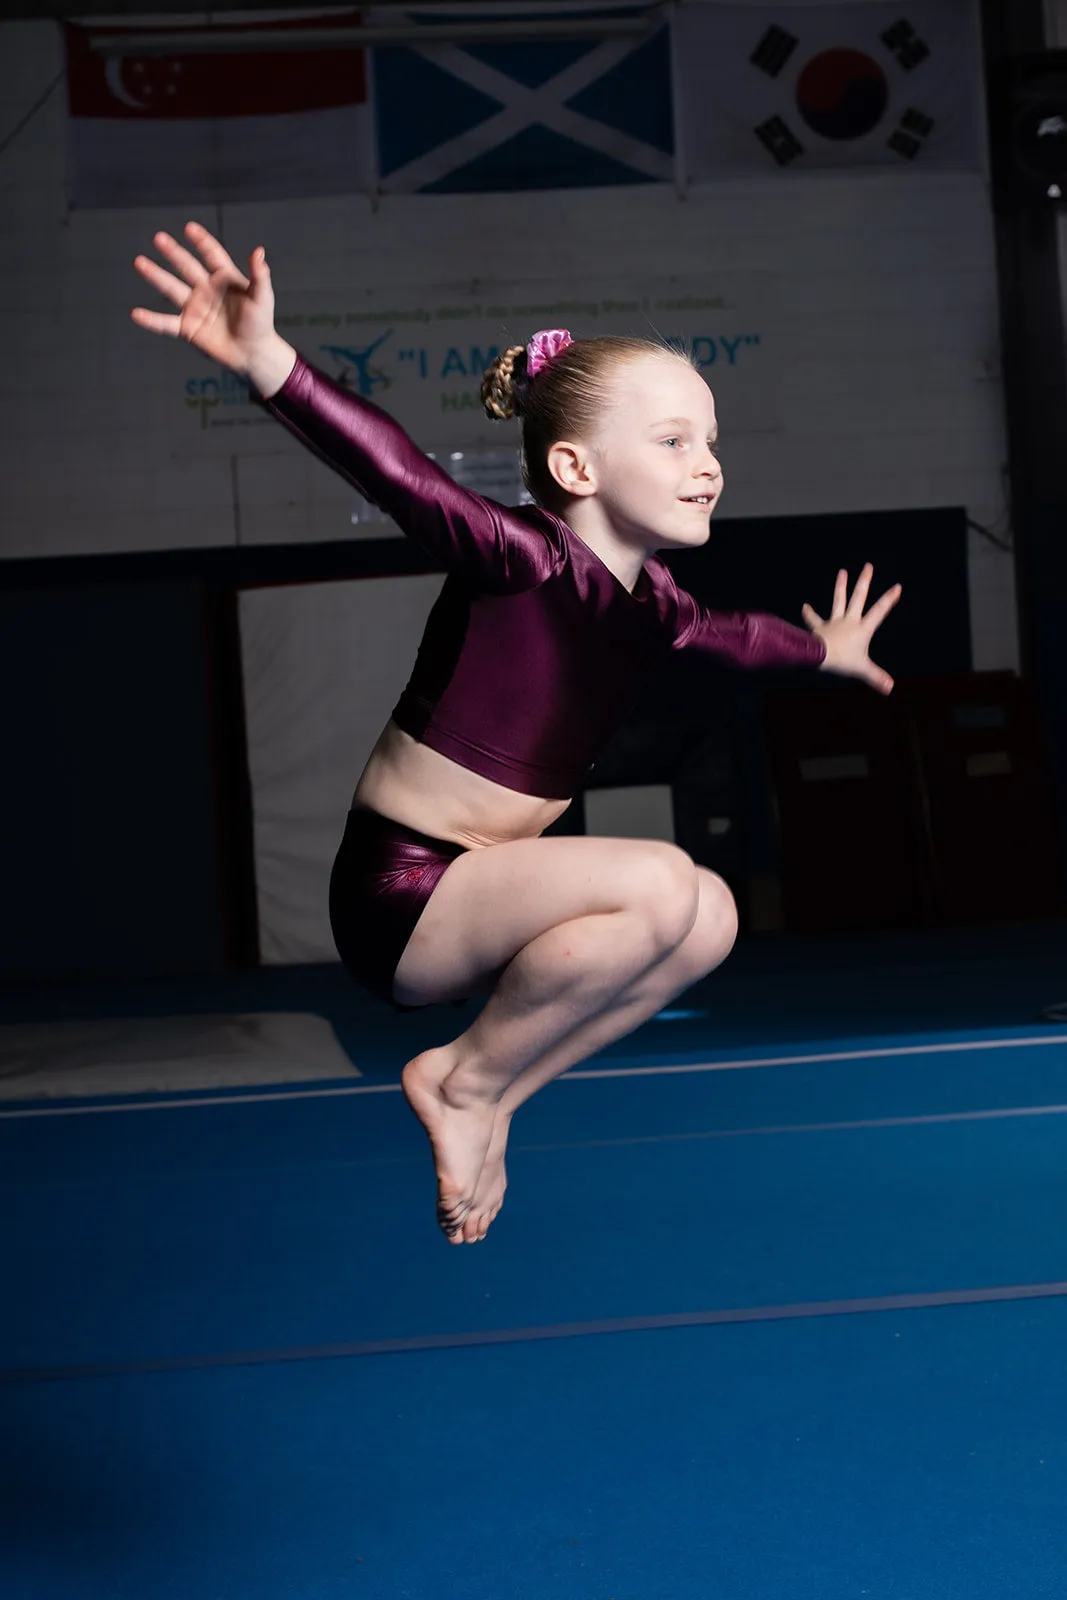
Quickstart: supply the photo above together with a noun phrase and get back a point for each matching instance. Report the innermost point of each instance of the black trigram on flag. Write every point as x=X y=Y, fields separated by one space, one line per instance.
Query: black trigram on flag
x=907 y=140
x=773 y=51
x=775 y=136
x=902 y=41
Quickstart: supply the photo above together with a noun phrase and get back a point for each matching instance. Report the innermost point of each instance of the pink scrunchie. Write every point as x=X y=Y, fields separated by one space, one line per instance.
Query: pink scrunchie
x=545 y=347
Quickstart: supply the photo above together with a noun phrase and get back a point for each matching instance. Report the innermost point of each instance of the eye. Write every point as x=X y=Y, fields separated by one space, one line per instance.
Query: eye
x=674 y=439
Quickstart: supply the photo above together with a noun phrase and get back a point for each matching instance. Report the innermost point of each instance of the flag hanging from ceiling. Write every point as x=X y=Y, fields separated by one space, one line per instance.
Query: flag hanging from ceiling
x=546 y=115
x=195 y=127
x=774 y=88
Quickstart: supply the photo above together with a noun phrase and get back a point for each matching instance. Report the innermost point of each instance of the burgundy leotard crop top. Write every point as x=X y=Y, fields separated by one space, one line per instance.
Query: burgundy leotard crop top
x=533 y=649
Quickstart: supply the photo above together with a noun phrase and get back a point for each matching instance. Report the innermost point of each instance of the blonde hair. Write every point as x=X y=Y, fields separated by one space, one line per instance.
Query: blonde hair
x=564 y=401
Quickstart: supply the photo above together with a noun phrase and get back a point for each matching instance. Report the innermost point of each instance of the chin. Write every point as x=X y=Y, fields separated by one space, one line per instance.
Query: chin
x=691 y=539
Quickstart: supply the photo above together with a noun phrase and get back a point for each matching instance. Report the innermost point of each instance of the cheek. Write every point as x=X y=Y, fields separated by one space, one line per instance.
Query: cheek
x=639 y=482
x=653 y=488
x=629 y=481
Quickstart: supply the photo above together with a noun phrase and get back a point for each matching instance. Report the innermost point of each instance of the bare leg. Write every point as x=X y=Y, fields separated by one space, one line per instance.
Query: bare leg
x=706 y=946
x=570 y=970
x=548 y=990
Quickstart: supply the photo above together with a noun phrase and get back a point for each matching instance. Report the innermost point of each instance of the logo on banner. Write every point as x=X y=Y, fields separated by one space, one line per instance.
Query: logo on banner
x=843 y=94
x=355 y=370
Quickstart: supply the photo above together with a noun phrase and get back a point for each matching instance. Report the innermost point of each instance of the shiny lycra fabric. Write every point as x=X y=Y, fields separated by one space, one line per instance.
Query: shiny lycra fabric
x=382 y=877
x=534 y=649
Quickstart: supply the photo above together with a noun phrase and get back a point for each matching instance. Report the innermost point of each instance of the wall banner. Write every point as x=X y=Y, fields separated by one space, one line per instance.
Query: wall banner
x=421 y=354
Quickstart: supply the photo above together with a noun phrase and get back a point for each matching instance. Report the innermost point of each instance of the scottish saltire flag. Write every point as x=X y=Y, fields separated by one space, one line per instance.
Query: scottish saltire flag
x=546 y=115
x=774 y=88
x=194 y=127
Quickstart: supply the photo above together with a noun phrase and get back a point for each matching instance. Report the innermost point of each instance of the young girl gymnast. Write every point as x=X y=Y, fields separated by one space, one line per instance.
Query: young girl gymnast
x=547 y=619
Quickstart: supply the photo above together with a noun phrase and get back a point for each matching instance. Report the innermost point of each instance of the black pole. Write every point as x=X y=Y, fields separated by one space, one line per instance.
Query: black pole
x=1035 y=375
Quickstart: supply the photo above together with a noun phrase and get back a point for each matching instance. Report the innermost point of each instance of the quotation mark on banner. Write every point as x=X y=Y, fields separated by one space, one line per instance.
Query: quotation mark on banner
x=773 y=51
x=903 y=42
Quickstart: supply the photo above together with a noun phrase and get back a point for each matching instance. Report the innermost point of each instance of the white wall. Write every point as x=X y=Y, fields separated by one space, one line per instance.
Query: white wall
x=886 y=370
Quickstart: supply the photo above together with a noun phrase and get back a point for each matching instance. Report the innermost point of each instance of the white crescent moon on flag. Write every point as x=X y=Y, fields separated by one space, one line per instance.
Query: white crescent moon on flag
x=113 y=74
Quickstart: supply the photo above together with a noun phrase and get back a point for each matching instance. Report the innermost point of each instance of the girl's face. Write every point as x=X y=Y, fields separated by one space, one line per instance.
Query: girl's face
x=653 y=457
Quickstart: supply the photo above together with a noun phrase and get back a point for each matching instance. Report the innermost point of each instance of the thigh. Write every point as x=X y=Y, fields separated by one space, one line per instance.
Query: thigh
x=493 y=901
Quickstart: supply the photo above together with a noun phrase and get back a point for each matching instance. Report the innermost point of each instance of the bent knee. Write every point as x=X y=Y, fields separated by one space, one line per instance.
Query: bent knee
x=665 y=888
x=714 y=931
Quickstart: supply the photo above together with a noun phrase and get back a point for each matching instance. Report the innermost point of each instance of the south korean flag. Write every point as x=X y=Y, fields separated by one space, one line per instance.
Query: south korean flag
x=770 y=89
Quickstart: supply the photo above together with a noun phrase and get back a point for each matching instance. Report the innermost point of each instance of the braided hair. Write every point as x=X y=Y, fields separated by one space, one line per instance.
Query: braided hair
x=564 y=401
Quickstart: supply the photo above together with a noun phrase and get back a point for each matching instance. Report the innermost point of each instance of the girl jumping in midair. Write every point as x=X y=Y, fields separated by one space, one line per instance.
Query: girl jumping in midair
x=548 y=618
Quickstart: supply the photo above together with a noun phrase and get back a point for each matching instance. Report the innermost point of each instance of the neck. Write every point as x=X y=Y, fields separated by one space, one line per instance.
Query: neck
x=621 y=556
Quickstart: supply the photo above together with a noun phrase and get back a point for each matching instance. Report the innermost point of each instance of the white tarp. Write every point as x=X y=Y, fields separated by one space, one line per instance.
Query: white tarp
x=323 y=664
x=640 y=811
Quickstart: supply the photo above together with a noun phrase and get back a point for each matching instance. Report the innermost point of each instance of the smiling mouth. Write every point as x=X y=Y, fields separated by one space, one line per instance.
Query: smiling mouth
x=696 y=500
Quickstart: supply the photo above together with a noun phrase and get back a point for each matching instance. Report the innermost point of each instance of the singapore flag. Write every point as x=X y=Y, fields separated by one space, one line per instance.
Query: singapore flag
x=191 y=128
x=776 y=88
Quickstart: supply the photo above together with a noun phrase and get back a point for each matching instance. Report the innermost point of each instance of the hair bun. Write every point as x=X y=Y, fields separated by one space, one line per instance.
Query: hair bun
x=503 y=384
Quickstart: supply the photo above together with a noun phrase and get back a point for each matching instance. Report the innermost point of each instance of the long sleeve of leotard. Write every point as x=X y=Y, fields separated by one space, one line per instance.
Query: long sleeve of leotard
x=745 y=639
x=494 y=548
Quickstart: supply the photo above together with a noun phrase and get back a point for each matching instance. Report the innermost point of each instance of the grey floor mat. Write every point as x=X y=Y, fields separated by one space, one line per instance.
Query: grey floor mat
x=165 y=1054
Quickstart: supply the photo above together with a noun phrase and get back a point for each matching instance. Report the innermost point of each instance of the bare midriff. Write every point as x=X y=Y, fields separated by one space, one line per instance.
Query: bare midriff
x=409 y=783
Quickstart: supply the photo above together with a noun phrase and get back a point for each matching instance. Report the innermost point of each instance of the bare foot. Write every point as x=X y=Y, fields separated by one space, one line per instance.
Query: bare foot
x=459 y=1129
x=489 y=1192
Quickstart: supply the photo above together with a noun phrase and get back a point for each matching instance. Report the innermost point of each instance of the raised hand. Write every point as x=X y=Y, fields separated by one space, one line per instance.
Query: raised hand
x=847 y=633
x=222 y=312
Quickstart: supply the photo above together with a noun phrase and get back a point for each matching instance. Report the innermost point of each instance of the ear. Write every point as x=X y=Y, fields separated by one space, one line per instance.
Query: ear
x=572 y=469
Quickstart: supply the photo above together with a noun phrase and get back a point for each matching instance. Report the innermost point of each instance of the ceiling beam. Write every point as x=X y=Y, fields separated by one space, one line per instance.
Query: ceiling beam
x=227 y=41
x=99 y=10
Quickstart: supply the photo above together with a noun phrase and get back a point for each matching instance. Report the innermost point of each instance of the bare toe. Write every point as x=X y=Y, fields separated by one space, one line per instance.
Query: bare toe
x=492 y=1182
x=473 y=1232
x=459 y=1137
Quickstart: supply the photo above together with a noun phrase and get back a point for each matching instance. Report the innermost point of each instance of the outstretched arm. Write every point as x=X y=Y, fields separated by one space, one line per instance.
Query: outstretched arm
x=838 y=644
x=745 y=638
x=229 y=316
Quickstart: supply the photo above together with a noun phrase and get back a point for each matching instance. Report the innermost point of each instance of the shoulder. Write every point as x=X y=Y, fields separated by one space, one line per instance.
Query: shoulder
x=660 y=576
x=541 y=533
x=548 y=527
x=675 y=607
x=528 y=545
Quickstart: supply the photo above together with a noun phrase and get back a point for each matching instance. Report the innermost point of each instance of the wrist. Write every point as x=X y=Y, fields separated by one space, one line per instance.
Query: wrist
x=269 y=365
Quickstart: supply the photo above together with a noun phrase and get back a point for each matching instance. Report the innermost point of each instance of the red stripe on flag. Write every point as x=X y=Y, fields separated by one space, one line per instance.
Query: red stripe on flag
x=256 y=84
